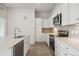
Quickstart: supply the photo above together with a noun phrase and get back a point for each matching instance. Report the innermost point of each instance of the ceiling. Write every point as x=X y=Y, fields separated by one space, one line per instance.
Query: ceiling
x=43 y=10
x=38 y=6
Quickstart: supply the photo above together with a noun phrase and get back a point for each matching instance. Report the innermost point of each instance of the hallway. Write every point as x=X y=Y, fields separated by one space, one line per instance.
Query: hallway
x=40 y=49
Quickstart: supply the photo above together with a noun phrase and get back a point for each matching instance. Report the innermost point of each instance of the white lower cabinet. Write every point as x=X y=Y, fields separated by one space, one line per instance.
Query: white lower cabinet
x=57 y=49
x=26 y=45
x=63 y=49
x=64 y=52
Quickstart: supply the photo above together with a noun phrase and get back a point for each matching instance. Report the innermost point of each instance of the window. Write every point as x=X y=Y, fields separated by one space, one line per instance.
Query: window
x=1 y=26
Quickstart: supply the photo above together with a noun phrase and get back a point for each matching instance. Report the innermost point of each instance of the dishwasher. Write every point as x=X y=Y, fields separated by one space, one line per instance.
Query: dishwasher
x=51 y=42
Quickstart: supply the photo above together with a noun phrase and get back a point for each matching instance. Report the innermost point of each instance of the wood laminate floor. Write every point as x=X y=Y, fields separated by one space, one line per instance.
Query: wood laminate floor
x=40 y=49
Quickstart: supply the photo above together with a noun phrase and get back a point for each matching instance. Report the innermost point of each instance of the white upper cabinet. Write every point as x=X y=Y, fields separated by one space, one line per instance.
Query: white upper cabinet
x=50 y=22
x=70 y=13
x=45 y=23
x=63 y=9
x=73 y=13
x=54 y=13
x=59 y=9
x=64 y=13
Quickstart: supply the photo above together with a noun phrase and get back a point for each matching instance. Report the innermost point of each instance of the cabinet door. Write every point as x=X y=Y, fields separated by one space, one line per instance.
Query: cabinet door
x=26 y=45
x=59 y=9
x=57 y=49
x=55 y=13
x=45 y=23
x=64 y=14
x=50 y=22
x=73 y=13
x=71 y=50
x=63 y=52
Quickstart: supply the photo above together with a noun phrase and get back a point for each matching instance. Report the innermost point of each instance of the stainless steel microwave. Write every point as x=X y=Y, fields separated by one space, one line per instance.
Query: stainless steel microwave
x=57 y=20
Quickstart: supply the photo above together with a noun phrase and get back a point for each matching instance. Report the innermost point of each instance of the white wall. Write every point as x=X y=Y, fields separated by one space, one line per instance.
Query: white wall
x=23 y=19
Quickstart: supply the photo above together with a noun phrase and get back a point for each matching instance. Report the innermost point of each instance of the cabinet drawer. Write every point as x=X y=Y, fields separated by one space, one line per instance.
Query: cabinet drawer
x=69 y=49
x=64 y=52
x=72 y=51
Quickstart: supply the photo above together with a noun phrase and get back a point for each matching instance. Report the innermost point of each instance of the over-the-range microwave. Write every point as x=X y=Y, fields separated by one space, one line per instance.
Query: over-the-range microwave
x=57 y=20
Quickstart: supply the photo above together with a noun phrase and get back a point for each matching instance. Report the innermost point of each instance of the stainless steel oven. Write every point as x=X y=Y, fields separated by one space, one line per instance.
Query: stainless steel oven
x=57 y=20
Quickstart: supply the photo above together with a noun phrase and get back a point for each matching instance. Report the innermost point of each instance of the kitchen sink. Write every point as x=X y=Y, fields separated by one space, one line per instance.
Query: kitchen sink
x=21 y=36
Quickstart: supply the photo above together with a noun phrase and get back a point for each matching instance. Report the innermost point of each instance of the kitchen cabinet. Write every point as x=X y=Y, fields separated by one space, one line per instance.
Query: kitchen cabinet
x=18 y=49
x=70 y=13
x=72 y=51
x=59 y=9
x=50 y=19
x=73 y=13
x=63 y=49
x=55 y=12
x=18 y=46
x=57 y=48
x=26 y=45
x=64 y=11
x=45 y=23
x=64 y=52
x=50 y=22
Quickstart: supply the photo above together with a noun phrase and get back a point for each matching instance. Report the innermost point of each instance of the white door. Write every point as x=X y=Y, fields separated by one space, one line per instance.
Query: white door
x=38 y=29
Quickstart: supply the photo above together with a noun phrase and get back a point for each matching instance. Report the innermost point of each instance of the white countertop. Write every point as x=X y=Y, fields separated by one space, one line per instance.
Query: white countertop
x=69 y=41
x=9 y=41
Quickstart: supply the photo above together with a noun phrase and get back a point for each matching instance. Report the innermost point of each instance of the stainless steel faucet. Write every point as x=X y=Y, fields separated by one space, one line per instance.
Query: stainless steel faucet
x=15 y=32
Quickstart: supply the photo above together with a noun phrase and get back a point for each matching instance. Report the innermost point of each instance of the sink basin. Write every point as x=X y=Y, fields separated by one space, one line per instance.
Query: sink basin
x=21 y=36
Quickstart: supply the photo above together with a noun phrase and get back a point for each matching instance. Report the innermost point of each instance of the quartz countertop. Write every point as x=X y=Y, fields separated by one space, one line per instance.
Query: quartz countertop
x=69 y=41
x=9 y=41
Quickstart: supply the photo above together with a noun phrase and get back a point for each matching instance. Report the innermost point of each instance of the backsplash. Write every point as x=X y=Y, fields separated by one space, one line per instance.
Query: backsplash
x=73 y=30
